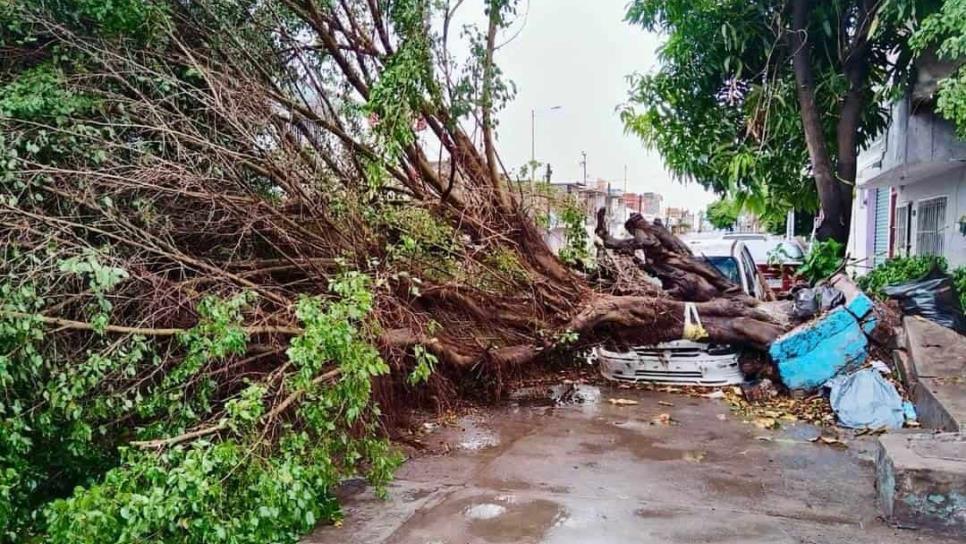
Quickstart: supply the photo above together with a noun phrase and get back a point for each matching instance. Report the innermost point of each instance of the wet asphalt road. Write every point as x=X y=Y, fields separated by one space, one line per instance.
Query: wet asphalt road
x=599 y=473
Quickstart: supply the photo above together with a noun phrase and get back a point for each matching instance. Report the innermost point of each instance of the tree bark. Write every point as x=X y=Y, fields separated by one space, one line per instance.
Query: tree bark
x=855 y=65
x=834 y=195
x=683 y=275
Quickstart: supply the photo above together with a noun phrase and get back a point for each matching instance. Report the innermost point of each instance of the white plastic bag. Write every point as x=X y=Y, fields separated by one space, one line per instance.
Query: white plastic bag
x=693 y=329
x=865 y=399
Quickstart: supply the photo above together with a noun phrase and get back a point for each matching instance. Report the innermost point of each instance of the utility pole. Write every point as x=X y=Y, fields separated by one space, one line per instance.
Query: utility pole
x=533 y=147
x=583 y=163
x=533 y=144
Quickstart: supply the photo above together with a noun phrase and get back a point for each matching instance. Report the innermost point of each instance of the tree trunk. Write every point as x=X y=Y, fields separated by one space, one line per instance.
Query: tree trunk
x=855 y=65
x=834 y=195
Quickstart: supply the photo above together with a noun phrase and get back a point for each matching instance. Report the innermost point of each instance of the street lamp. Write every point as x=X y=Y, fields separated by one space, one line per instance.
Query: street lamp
x=533 y=142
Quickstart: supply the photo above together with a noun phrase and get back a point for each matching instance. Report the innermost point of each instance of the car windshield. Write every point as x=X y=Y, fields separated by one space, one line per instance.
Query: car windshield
x=727 y=266
x=778 y=250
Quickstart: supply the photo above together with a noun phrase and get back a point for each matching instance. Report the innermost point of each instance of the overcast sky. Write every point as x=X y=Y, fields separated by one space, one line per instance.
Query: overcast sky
x=576 y=54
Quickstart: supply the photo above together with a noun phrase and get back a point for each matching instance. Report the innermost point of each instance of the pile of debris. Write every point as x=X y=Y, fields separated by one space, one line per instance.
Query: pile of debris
x=833 y=354
x=826 y=371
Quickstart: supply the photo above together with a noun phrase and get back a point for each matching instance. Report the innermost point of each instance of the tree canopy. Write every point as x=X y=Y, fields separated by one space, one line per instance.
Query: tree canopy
x=769 y=101
x=723 y=214
x=946 y=31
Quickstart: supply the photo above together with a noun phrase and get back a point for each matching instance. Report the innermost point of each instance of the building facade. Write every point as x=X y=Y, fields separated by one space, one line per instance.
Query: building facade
x=910 y=190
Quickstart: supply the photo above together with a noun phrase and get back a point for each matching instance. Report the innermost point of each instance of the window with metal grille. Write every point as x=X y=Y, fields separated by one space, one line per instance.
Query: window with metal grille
x=930 y=226
x=900 y=247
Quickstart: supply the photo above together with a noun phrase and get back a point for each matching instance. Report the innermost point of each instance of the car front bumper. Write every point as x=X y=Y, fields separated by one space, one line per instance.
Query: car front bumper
x=681 y=362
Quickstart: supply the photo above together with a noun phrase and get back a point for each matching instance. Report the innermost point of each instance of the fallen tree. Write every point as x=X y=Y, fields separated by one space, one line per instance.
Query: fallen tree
x=221 y=224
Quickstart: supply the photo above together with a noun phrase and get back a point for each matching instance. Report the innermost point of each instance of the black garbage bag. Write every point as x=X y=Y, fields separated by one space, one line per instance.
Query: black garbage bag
x=829 y=297
x=805 y=304
x=933 y=296
x=810 y=302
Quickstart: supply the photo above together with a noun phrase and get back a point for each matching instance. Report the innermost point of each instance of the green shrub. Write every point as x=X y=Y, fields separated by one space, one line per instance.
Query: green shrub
x=823 y=260
x=899 y=270
x=575 y=251
x=906 y=269
x=959 y=280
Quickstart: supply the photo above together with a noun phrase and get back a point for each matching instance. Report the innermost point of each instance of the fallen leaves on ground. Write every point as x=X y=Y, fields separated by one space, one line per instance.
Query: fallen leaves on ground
x=767 y=423
x=622 y=402
x=694 y=456
x=829 y=440
x=662 y=419
x=772 y=413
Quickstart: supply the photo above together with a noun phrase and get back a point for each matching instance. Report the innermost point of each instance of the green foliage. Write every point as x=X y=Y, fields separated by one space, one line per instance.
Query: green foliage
x=46 y=118
x=100 y=279
x=58 y=420
x=906 y=269
x=823 y=260
x=53 y=412
x=566 y=338
x=959 y=281
x=203 y=493
x=332 y=334
x=723 y=214
x=425 y=363
x=507 y=264
x=722 y=108
x=575 y=250
x=946 y=29
x=419 y=240
x=406 y=80
x=899 y=270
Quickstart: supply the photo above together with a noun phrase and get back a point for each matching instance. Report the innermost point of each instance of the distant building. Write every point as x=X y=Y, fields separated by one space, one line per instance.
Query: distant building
x=679 y=220
x=651 y=203
x=634 y=202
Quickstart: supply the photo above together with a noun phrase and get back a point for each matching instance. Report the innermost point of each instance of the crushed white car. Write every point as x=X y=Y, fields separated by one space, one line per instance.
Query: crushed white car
x=684 y=362
x=681 y=362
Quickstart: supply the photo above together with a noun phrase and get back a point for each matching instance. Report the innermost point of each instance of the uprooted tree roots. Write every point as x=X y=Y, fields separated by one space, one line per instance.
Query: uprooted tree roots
x=218 y=232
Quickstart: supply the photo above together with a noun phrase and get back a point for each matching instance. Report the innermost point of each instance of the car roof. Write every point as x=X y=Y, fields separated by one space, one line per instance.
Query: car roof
x=744 y=236
x=760 y=249
x=716 y=247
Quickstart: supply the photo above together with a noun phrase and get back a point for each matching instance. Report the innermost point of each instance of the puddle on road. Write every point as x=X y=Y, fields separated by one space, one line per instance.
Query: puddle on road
x=519 y=521
x=557 y=395
x=645 y=447
x=475 y=437
x=484 y=511
x=487 y=518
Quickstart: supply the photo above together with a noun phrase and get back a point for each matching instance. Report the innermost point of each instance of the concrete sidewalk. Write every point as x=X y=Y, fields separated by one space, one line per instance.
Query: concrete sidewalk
x=921 y=477
x=599 y=473
x=934 y=361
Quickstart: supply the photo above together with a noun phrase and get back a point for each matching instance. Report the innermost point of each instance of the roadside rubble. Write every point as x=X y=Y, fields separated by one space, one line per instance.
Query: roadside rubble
x=828 y=368
x=827 y=371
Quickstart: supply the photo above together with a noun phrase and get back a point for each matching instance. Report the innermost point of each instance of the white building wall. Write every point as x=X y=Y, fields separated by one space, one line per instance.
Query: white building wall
x=952 y=185
x=863 y=213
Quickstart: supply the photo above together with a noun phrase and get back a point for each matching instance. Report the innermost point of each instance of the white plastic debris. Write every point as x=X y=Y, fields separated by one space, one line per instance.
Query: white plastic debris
x=865 y=400
x=881 y=367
